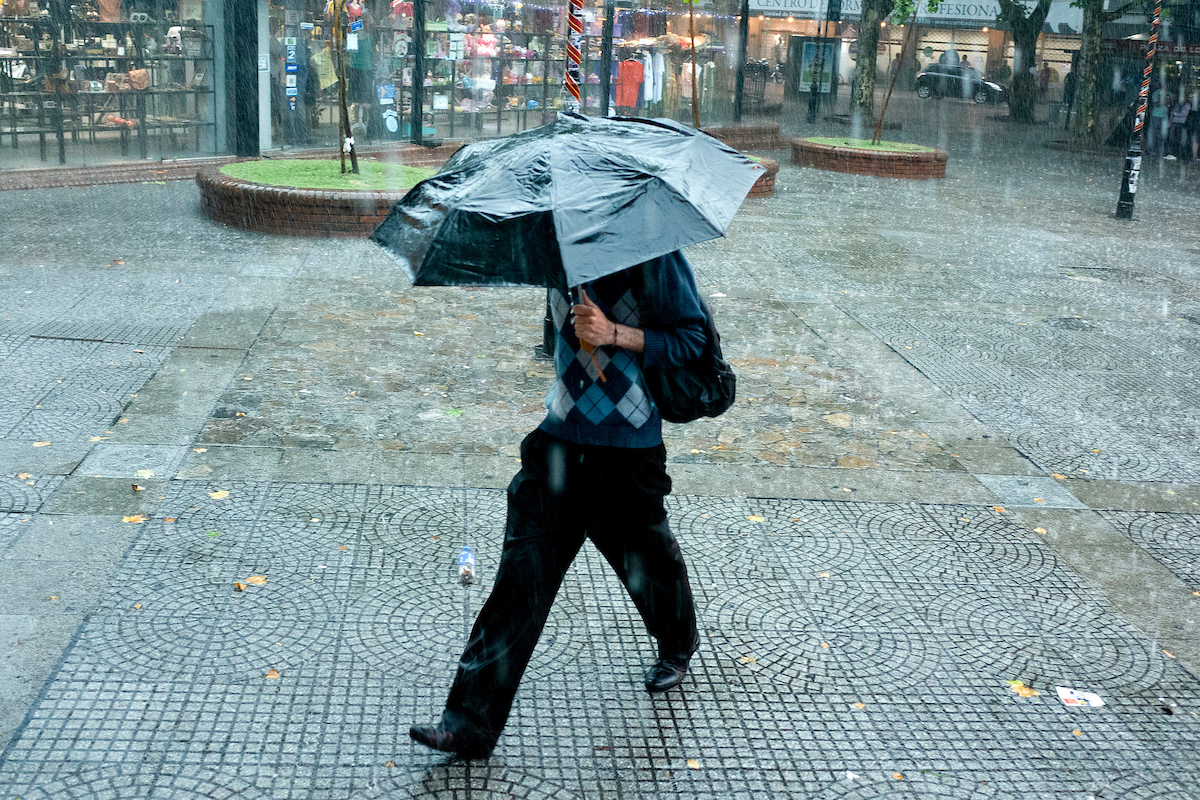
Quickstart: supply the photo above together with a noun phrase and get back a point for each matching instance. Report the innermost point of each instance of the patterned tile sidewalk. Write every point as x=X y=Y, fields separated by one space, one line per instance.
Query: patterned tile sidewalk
x=848 y=648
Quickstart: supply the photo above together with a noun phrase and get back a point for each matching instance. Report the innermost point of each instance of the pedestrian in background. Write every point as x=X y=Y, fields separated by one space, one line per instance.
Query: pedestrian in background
x=595 y=468
x=1176 y=121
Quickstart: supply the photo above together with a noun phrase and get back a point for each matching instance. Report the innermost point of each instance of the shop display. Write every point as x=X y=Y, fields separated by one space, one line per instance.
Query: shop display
x=139 y=83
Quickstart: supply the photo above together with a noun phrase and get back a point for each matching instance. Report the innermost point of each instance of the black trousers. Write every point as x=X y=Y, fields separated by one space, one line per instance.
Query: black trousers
x=563 y=493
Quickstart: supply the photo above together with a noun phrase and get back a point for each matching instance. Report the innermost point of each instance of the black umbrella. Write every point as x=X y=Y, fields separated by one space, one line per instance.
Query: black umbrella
x=566 y=203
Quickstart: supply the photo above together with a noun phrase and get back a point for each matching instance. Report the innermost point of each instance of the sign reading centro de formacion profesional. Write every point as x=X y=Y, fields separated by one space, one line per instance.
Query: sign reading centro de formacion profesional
x=983 y=12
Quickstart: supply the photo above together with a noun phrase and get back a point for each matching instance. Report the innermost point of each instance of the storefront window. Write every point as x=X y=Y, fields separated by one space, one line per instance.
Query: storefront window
x=101 y=81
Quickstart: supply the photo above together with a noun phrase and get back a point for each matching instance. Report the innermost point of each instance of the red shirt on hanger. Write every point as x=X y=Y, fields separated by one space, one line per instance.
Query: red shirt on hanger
x=629 y=81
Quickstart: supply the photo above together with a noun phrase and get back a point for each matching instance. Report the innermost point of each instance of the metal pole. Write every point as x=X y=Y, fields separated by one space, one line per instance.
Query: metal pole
x=416 y=125
x=740 y=83
x=695 y=75
x=814 y=89
x=606 y=57
x=1133 y=157
x=574 y=56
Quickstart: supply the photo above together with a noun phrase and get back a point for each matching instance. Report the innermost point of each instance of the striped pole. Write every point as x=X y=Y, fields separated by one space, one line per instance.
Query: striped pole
x=1133 y=157
x=574 y=56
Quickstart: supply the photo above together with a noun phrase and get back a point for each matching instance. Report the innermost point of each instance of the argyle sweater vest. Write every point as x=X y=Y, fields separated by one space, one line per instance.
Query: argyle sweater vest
x=581 y=408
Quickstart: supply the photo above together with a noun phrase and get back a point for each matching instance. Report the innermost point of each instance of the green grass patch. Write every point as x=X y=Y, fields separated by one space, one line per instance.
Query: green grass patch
x=326 y=173
x=755 y=159
x=865 y=144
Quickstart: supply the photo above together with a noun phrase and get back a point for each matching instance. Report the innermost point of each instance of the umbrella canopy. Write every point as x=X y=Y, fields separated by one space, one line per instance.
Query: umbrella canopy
x=566 y=203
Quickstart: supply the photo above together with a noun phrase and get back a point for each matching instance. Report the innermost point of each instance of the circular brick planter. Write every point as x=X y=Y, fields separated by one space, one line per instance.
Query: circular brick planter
x=765 y=185
x=306 y=212
x=292 y=212
x=859 y=161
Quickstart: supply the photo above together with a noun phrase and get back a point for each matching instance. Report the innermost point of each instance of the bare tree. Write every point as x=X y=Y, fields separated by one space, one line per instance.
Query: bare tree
x=1025 y=30
x=1086 y=127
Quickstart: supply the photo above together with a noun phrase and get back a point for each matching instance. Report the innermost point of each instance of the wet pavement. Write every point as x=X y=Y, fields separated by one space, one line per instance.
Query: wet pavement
x=964 y=454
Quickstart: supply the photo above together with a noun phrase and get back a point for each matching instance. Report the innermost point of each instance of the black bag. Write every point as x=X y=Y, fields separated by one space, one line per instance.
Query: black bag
x=703 y=387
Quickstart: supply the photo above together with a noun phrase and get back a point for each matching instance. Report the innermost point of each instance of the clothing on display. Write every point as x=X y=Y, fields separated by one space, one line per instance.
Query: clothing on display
x=647 y=80
x=659 y=70
x=629 y=83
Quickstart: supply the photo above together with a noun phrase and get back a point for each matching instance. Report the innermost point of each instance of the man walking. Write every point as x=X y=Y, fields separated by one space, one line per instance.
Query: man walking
x=596 y=468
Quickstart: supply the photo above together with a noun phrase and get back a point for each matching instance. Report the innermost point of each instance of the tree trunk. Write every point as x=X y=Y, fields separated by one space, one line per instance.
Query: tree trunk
x=863 y=102
x=1025 y=31
x=1023 y=92
x=1085 y=129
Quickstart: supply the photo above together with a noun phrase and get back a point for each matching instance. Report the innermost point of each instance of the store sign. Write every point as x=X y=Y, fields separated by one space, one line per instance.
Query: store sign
x=984 y=12
x=356 y=25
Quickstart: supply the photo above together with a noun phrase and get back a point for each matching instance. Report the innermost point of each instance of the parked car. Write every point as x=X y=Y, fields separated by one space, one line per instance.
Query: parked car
x=952 y=80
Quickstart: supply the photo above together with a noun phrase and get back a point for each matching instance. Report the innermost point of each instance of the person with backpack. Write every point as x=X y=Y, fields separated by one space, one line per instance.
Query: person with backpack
x=595 y=468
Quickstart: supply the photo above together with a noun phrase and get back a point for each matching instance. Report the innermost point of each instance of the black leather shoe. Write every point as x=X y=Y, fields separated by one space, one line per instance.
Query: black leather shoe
x=464 y=744
x=666 y=673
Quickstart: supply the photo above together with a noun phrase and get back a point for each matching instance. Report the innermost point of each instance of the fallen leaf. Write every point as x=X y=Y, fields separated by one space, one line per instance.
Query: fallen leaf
x=212 y=534
x=1059 y=477
x=143 y=352
x=257 y=580
x=825 y=645
x=1168 y=654
x=1039 y=530
x=964 y=519
x=860 y=706
x=137 y=488
x=998 y=509
x=1077 y=733
x=239 y=587
x=273 y=674
x=315 y=519
x=748 y=660
x=134 y=518
x=1019 y=688
x=898 y=776
x=139 y=605
x=824 y=574
x=122 y=420
x=1095 y=451
x=97 y=438
x=756 y=518
x=695 y=451
x=221 y=495
x=1038 y=500
x=170 y=519
x=417 y=333
x=24 y=476
x=199 y=449
x=693 y=763
x=41 y=444
x=342 y=547
x=437 y=538
x=390 y=764
x=53 y=597
x=454 y=412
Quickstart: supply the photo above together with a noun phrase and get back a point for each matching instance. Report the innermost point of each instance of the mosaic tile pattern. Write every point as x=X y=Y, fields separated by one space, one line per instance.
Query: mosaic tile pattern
x=1109 y=399
x=845 y=644
x=1173 y=539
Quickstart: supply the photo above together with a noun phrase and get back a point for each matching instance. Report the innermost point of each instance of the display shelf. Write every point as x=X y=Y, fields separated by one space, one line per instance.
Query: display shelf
x=45 y=77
